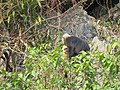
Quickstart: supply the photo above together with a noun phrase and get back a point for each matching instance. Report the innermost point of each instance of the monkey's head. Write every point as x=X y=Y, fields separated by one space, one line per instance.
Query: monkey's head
x=65 y=37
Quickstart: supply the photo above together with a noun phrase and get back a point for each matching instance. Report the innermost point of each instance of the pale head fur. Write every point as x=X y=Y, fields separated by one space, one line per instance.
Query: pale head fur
x=65 y=36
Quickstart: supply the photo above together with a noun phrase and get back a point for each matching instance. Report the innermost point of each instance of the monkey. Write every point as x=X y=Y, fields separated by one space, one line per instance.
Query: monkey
x=74 y=45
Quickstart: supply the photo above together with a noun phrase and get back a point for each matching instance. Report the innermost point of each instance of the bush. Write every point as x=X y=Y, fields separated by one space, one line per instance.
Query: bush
x=45 y=69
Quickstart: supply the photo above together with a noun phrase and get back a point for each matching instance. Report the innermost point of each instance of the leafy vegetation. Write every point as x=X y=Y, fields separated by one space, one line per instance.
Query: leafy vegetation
x=46 y=70
x=45 y=67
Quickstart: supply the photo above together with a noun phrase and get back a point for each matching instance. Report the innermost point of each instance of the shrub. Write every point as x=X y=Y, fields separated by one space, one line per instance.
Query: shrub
x=46 y=67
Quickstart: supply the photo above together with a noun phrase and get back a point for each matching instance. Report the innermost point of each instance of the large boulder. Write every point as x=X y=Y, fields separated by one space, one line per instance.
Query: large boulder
x=75 y=21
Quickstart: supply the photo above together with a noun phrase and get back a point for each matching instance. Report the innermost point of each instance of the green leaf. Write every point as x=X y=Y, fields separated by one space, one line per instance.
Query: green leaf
x=114 y=44
x=98 y=21
x=20 y=75
x=39 y=3
x=33 y=73
x=8 y=20
x=13 y=13
x=108 y=48
x=94 y=49
x=8 y=84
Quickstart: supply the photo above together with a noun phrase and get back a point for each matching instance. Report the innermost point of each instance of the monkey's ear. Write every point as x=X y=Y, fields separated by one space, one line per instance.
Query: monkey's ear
x=63 y=39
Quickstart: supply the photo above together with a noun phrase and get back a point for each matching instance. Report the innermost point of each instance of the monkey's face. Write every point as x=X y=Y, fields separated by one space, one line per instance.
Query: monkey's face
x=65 y=51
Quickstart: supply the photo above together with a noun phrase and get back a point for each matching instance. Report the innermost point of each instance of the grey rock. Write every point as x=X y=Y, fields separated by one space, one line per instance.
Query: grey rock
x=76 y=22
x=99 y=44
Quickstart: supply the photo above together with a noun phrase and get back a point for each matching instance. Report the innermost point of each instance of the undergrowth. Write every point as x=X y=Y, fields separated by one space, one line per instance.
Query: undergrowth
x=46 y=70
x=45 y=66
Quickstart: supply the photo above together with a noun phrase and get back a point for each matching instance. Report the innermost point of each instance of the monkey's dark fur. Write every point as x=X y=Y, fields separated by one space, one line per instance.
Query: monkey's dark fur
x=75 y=44
x=72 y=46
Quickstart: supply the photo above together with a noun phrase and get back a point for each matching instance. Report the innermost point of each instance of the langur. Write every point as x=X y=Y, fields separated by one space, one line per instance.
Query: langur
x=74 y=45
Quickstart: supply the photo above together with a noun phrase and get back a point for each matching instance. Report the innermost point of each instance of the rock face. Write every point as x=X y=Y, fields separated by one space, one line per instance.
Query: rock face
x=100 y=9
x=100 y=44
x=76 y=22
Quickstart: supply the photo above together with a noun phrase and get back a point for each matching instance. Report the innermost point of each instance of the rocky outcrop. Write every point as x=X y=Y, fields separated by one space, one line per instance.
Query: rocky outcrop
x=100 y=45
x=76 y=22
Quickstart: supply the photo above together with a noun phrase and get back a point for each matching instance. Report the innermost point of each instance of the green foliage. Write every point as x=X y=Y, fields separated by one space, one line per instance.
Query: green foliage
x=110 y=24
x=46 y=67
x=21 y=17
